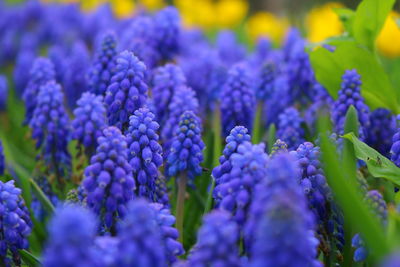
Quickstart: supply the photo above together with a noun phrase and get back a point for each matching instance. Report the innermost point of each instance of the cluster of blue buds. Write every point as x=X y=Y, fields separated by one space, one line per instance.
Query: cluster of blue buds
x=108 y=179
x=127 y=91
x=167 y=28
x=144 y=152
x=141 y=240
x=350 y=94
x=237 y=100
x=186 y=153
x=266 y=80
x=104 y=64
x=230 y=51
x=41 y=72
x=169 y=234
x=381 y=130
x=278 y=147
x=290 y=129
x=235 y=192
x=3 y=93
x=72 y=232
x=377 y=204
x=184 y=99
x=238 y=135
x=50 y=128
x=279 y=231
x=166 y=81
x=90 y=119
x=15 y=224
x=216 y=242
x=23 y=62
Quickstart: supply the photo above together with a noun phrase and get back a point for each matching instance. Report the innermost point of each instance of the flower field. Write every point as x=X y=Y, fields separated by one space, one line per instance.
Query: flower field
x=199 y=133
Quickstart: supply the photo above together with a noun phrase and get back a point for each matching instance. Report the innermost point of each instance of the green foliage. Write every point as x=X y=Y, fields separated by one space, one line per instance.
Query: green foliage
x=369 y=19
x=29 y=259
x=346 y=16
x=378 y=165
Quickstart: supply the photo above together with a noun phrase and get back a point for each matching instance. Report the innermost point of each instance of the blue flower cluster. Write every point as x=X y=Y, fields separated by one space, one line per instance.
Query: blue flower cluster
x=278 y=147
x=15 y=224
x=266 y=80
x=104 y=64
x=350 y=94
x=71 y=238
x=127 y=91
x=280 y=227
x=41 y=72
x=50 y=128
x=144 y=152
x=108 y=179
x=290 y=128
x=237 y=100
x=216 y=242
x=166 y=81
x=167 y=27
x=237 y=136
x=186 y=152
x=235 y=192
x=90 y=119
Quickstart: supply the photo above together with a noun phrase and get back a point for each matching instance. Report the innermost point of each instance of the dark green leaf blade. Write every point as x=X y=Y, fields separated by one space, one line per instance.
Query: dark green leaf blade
x=47 y=205
x=29 y=259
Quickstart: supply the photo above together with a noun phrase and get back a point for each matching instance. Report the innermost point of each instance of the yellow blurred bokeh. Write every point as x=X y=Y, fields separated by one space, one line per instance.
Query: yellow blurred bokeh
x=322 y=22
x=267 y=24
x=388 y=41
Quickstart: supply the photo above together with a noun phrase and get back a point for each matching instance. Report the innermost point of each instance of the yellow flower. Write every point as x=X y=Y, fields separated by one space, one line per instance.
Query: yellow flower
x=123 y=8
x=197 y=13
x=230 y=12
x=322 y=22
x=267 y=24
x=152 y=4
x=88 y=5
x=388 y=41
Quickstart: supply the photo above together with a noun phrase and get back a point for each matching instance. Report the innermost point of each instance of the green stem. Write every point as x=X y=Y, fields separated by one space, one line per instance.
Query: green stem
x=209 y=197
x=180 y=204
x=257 y=126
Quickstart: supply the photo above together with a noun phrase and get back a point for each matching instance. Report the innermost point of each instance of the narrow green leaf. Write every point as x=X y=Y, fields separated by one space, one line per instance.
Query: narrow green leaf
x=257 y=125
x=29 y=259
x=378 y=165
x=346 y=16
x=376 y=87
x=345 y=192
x=47 y=205
x=369 y=19
x=271 y=136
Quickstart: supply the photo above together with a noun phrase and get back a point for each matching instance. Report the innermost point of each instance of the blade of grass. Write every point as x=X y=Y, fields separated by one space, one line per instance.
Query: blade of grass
x=29 y=259
x=47 y=205
x=271 y=136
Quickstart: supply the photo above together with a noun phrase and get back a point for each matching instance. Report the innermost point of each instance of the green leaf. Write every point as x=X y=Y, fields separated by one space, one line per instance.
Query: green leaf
x=378 y=165
x=345 y=191
x=346 y=16
x=271 y=136
x=257 y=125
x=47 y=205
x=376 y=87
x=369 y=19
x=29 y=259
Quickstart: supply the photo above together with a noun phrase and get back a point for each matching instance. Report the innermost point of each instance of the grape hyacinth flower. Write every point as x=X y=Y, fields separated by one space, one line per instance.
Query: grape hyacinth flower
x=127 y=91
x=161 y=191
x=3 y=93
x=237 y=100
x=381 y=130
x=108 y=179
x=50 y=128
x=166 y=81
x=184 y=99
x=144 y=152
x=74 y=78
x=229 y=50
x=350 y=94
x=266 y=80
x=141 y=240
x=395 y=149
x=238 y=135
x=90 y=119
x=289 y=128
x=42 y=71
x=235 y=192
x=104 y=64
x=279 y=231
x=278 y=147
x=216 y=242
x=169 y=234
x=375 y=201
x=167 y=27
x=72 y=232
x=23 y=62
x=186 y=152
x=278 y=101
x=15 y=224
